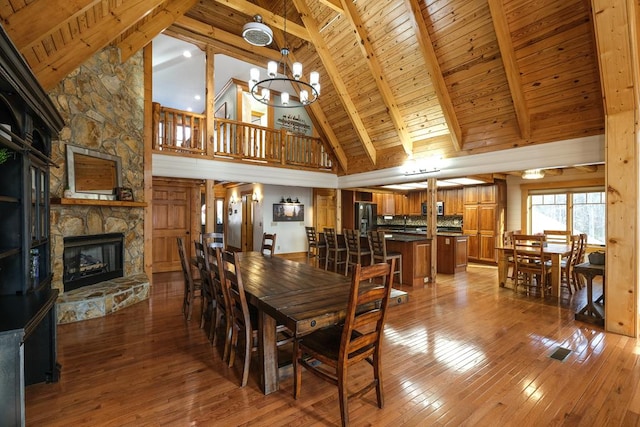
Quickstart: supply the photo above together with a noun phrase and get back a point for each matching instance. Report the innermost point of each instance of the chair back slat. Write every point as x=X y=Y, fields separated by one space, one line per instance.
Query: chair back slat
x=558 y=236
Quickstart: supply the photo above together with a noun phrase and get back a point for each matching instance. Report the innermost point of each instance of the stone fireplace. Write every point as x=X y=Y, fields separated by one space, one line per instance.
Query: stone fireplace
x=102 y=103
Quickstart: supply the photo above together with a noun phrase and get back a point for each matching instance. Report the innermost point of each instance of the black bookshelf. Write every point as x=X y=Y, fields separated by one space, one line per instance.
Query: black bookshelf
x=28 y=124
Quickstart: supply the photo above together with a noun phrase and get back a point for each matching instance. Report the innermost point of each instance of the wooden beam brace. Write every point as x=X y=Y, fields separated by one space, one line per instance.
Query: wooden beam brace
x=268 y=17
x=389 y=99
x=336 y=79
x=64 y=60
x=501 y=27
x=334 y=4
x=43 y=17
x=587 y=168
x=433 y=68
x=145 y=33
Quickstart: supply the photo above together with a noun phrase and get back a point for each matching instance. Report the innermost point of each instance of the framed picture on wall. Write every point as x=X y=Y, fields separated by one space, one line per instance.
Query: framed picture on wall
x=288 y=212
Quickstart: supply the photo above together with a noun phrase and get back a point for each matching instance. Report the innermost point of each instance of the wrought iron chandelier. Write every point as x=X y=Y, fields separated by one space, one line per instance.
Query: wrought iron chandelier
x=260 y=89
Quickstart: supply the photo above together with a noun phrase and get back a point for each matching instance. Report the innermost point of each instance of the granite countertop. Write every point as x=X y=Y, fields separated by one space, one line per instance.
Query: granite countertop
x=406 y=237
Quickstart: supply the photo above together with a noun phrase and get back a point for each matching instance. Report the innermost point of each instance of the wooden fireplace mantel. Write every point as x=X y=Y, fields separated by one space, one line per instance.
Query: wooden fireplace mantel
x=96 y=202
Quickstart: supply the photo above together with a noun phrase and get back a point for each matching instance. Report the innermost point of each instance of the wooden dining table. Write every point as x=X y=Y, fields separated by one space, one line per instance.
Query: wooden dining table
x=298 y=295
x=553 y=252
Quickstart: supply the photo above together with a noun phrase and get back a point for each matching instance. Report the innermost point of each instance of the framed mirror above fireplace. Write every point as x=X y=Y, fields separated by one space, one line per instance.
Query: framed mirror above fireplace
x=92 y=174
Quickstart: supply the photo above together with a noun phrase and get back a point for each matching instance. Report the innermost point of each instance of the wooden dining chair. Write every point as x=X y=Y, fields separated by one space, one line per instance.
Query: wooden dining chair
x=379 y=253
x=355 y=251
x=208 y=301
x=222 y=315
x=579 y=279
x=240 y=316
x=268 y=246
x=566 y=265
x=531 y=268
x=244 y=318
x=315 y=248
x=329 y=353
x=507 y=241
x=336 y=254
x=192 y=287
x=213 y=240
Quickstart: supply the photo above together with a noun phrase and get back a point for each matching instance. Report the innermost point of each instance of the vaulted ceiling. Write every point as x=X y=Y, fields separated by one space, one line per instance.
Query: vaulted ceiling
x=427 y=77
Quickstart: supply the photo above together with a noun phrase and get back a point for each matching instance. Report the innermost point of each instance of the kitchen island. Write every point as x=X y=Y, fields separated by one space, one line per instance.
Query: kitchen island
x=416 y=256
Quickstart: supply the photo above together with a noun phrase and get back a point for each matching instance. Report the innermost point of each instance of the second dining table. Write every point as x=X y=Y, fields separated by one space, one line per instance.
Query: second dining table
x=552 y=251
x=298 y=295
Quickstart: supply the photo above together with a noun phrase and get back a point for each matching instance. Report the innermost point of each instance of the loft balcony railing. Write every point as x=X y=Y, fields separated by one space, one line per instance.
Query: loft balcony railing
x=184 y=133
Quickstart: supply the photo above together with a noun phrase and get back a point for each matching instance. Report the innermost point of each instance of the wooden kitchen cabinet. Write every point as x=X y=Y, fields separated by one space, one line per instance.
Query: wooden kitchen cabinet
x=453 y=201
x=386 y=203
x=415 y=202
x=483 y=220
x=401 y=204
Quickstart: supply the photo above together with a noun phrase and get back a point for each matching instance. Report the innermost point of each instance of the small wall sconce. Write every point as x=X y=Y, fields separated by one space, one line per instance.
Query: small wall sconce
x=254 y=197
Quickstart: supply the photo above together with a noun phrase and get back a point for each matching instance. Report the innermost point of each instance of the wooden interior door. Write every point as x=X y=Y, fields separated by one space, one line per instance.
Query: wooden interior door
x=247 y=223
x=176 y=213
x=325 y=209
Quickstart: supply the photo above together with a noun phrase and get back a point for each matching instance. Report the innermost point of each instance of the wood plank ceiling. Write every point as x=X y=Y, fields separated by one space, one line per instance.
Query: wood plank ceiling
x=428 y=77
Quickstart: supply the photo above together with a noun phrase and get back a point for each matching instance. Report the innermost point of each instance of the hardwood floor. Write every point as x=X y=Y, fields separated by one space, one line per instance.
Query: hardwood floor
x=461 y=352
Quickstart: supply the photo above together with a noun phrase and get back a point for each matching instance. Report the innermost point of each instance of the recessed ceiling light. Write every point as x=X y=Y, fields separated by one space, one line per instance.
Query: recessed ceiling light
x=186 y=54
x=197 y=97
x=189 y=109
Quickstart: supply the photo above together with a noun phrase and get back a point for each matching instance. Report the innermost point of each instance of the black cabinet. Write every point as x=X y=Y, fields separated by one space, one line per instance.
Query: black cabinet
x=28 y=122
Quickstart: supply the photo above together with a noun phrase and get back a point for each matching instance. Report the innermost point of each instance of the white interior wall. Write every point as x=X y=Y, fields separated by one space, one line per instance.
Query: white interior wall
x=514 y=192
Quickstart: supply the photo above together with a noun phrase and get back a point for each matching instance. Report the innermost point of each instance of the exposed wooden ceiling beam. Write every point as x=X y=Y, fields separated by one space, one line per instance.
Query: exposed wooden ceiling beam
x=587 y=168
x=64 y=60
x=501 y=27
x=351 y=13
x=554 y=172
x=268 y=17
x=336 y=79
x=42 y=17
x=215 y=34
x=433 y=68
x=145 y=33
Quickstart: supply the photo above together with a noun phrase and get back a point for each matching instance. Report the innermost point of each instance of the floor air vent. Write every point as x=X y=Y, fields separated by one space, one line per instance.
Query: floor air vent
x=560 y=353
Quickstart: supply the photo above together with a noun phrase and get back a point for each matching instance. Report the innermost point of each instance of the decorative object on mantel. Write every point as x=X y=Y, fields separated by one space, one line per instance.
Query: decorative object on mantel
x=123 y=193
x=67 y=192
x=261 y=88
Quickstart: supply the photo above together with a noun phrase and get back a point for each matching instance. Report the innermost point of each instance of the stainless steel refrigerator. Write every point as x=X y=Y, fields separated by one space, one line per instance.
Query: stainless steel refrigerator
x=366 y=216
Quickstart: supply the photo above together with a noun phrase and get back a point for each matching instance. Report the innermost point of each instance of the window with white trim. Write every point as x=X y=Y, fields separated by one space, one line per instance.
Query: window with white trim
x=578 y=210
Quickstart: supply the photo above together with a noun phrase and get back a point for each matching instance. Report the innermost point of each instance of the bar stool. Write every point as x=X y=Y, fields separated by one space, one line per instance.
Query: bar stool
x=334 y=250
x=315 y=248
x=355 y=252
x=378 y=247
